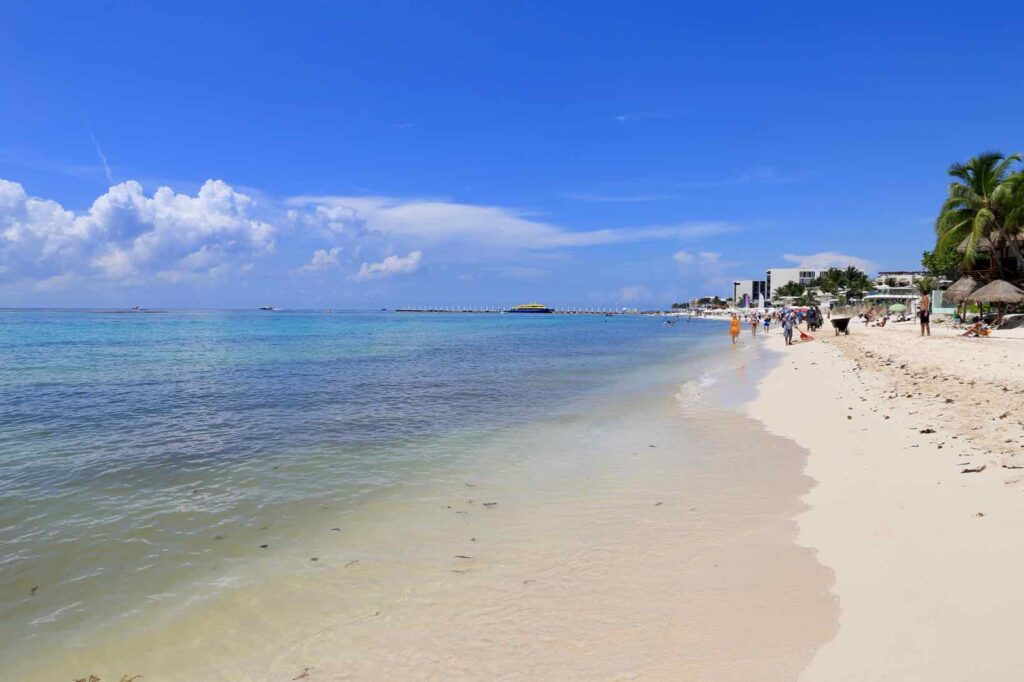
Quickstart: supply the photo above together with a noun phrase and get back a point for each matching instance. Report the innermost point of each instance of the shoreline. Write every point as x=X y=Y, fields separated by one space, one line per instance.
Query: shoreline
x=630 y=535
x=664 y=566
x=924 y=543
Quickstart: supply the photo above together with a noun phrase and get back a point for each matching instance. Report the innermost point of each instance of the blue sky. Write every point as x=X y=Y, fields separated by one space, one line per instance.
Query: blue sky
x=383 y=154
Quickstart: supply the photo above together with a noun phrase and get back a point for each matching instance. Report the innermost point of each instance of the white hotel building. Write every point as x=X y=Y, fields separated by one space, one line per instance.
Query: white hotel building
x=777 y=277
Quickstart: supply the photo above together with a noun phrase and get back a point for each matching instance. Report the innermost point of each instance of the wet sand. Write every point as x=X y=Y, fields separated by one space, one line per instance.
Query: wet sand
x=653 y=570
x=651 y=539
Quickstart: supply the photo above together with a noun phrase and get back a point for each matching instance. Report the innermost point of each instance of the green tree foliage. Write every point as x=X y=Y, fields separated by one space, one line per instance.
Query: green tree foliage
x=850 y=281
x=809 y=297
x=790 y=289
x=832 y=280
x=710 y=302
x=984 y=205
x=943 y=261
x=856 y=279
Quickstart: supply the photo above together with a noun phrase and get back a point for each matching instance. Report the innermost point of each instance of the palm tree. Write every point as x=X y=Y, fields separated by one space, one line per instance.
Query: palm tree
x=854 y=276
x=809 y=297
x=925 y=285
x=832 y=280
x=1011 y=197
x=790 y=289
x=977 y=205
x=856 y=282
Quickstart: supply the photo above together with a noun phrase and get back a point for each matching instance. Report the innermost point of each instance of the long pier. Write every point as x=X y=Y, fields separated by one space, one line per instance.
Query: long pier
x=499 y=310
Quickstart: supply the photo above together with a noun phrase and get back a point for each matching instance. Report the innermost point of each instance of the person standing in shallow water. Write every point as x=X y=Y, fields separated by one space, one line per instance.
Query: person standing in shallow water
x=924 y=312
x=734 y=328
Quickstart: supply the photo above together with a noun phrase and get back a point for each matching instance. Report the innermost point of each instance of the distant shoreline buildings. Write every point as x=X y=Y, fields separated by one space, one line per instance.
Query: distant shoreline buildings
x=753 y=293
x=886 y=287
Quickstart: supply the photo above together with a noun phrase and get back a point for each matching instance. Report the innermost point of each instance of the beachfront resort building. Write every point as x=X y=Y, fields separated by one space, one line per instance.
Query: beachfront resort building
x=778 y=277
x=887 y=295
x=901 y=278
x=749 y=293
x=985 y=267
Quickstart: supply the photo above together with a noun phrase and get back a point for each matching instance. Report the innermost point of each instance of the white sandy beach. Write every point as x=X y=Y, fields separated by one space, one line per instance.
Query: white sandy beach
x=925 y=545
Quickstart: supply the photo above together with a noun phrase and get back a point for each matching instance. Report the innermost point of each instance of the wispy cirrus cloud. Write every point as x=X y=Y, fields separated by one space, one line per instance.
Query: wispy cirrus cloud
x=433 y=221
x=628 y=116
x=618 y=198
x=35 y=162
x=767 y=175
x=103 y=158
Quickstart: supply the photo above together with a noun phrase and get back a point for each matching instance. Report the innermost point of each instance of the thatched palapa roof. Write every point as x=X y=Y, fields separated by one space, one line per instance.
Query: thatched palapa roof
x=984 y=244
x=960 y=290
x=999 y=291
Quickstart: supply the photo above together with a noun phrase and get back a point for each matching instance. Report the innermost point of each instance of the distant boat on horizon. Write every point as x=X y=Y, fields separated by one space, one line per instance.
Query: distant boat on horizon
x=266 y=307
x=531 y=308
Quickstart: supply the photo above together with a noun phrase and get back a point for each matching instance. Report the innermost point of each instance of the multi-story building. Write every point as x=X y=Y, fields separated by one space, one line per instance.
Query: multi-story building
x=903 y=278
x=777 y=277
x=747 y=292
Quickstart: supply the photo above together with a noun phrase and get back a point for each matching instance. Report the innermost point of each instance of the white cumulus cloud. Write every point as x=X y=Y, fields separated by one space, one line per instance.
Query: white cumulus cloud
x=128 y=236
x=390 y=266
x=829 y=259
x=323 y=259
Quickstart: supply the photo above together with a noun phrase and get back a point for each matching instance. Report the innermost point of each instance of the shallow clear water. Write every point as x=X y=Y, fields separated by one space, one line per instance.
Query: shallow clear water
x=139 y=452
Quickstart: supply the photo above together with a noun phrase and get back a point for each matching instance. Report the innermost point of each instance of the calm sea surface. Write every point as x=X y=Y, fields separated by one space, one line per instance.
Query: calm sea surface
x=131 y=444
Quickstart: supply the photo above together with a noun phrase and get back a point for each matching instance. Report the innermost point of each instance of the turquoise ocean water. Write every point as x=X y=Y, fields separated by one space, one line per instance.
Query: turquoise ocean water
x=131 y=443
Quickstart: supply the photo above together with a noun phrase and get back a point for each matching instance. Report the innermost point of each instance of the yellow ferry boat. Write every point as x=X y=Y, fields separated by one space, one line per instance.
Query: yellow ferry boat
x=531 y=308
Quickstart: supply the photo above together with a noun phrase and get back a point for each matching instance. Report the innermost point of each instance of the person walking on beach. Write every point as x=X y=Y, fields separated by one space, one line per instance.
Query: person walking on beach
x=787 y=328
x=753 y=324
x=924 y=312
x=734 y=328
x=767 y=323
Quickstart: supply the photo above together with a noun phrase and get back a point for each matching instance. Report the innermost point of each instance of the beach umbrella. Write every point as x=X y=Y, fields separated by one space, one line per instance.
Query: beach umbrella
x=999 y=291
x=897 y=308
x=960 y=290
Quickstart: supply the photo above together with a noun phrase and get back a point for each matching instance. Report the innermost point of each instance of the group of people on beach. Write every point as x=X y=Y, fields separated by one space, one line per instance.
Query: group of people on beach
x=787 y=318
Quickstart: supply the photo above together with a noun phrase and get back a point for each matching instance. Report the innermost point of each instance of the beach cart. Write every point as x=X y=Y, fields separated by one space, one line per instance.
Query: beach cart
x=841 y=325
